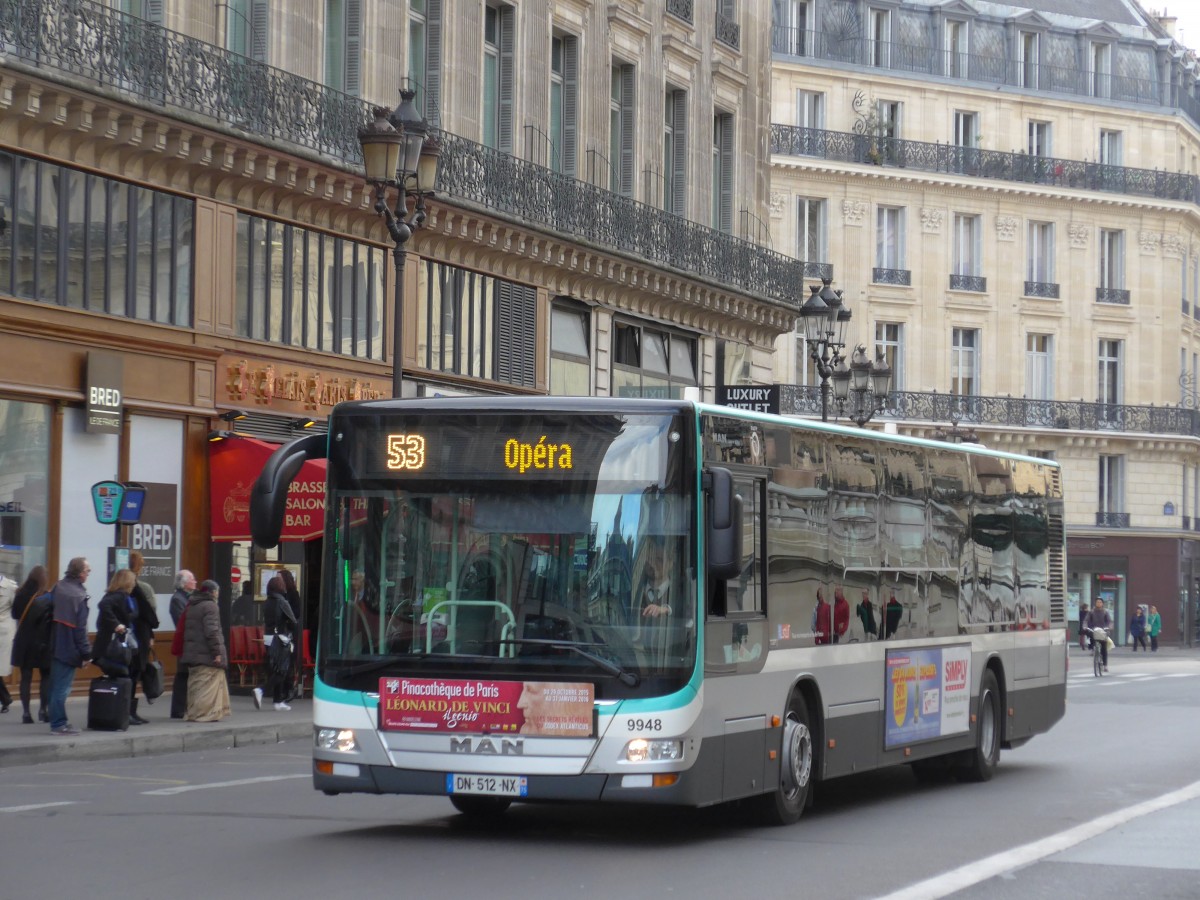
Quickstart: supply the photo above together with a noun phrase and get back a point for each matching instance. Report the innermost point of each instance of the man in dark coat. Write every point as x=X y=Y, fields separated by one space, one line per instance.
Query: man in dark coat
x=71 y=648
x=185 y=583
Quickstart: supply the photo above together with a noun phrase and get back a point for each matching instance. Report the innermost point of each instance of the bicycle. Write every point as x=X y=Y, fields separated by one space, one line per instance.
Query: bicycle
x=1099 y=636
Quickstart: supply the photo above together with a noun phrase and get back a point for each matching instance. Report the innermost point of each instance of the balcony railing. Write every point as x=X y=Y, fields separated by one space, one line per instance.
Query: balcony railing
x=682 y=9
x=165 y=70
x=902 y=277
x=975 y=283
x=1047 y=290
x=922 y=156
x=729 y=32
x=1012 y=412
x=1119 y=296
x=987 y=70
x=1112 y=520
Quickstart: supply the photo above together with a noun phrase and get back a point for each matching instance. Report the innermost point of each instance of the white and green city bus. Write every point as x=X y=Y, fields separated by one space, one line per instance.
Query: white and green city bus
x=593 y=599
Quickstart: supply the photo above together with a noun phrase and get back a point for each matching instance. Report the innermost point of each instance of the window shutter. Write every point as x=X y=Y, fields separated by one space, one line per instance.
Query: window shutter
x=259 y=23
x=516 y=333
x=679 y=160
x=153 y=11
x=627 y=113
x=570 y=164
x=507 y=87
x=727 y=173
x=433 y=62
x=353 y=45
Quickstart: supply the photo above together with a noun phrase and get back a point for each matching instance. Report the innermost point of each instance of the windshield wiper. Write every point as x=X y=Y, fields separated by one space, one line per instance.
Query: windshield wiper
x=625 y=676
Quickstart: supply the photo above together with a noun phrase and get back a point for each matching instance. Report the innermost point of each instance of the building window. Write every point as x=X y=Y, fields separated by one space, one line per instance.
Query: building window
x=498 y=83
x=425 y=56
x=1039 y=267
x=621 y=109
x=722 y=173
x=889 y=237
x=476 y=325
x=150 y=10
x=564 y=103
x=246 y=28
x=889 y=339
x=964 y=362
x=1111 y=487
x=1101 y=80
x=792 y=25
x=1111 y=148
x=1112 y=267
x=84 y=241
x=1027 y=59
x=675 y=153
x=570 y=349
x=1110 y=387
x=343 y=43
x=956 y=49
x=810 y=109
x=811 y=228
x=967 y=254
x=878 y=46
x=650 y=362
x=302 y=288
x=1039 y=139
x=804 y=370
x=1039 y=366
x=966 y=128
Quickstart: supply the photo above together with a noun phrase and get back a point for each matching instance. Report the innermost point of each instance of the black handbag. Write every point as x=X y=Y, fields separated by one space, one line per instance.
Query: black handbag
x=152 y=679
x=118 y=652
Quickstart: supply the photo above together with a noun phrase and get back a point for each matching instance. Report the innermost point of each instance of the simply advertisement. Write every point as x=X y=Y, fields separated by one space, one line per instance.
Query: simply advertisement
x=928 y=694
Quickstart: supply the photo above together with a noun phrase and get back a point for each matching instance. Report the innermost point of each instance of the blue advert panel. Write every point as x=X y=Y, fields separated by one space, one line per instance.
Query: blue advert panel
x=928 y=695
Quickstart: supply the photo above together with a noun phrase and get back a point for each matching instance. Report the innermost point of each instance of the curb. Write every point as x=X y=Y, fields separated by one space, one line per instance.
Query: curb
x=195 y=736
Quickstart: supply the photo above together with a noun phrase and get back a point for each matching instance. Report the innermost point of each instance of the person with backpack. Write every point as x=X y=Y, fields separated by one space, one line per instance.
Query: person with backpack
x=33 y=608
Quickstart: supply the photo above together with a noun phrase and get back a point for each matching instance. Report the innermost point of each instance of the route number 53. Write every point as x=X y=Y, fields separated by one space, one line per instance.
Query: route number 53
x=405 y=451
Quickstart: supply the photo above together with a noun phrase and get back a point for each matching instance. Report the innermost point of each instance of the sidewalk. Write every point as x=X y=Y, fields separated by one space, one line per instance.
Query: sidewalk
x=33 y=744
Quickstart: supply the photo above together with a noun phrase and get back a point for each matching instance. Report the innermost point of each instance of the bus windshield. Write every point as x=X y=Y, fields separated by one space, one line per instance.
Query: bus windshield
x=547 y=546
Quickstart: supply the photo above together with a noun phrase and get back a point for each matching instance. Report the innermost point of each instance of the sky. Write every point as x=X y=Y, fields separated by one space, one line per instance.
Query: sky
x=1187 y=29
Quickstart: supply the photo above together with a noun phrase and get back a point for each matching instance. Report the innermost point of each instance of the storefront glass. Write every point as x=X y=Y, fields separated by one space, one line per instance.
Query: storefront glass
x=24 y=486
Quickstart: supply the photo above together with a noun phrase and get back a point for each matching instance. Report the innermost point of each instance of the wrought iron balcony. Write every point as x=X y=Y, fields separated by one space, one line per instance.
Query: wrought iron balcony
x=1047 y=290
x=1112 y=295
x=1112 y=520
x=902 y=277
x=729 y=32
x=866 y=149
x=682 y=9
x=975 y=283
x=83 y=41
x=925 y=59
x=1011 y=412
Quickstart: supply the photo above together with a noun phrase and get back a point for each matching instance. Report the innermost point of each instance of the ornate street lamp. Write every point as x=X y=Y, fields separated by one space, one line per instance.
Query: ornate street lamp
x=866 y=379
x=399 y=152
x=825 y=318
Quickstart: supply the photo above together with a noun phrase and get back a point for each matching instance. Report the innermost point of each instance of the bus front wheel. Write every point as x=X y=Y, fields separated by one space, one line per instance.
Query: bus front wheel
x=785 y=804
x=981 y=762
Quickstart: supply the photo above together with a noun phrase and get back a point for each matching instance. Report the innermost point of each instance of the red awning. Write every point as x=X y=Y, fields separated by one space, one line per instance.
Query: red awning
x=234 y=464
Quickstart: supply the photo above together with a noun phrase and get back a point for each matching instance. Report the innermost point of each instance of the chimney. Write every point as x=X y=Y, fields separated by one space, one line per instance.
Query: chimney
x=1168 y=24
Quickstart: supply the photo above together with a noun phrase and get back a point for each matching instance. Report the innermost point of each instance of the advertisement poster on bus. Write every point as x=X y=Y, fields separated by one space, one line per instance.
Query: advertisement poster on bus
x=928 y=694
x=436 y=705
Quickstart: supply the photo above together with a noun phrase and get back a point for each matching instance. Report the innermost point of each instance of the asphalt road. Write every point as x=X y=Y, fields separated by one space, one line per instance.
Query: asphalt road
x=1107 y=805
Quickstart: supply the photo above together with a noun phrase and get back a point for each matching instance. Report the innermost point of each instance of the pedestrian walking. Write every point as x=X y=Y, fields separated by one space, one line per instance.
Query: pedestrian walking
x=292 y=594
x=185 y=583
x=279 y=629
x=205 y=656
x=1083 y=638
x=33 y=610
x=1153 y=627
x=71 y=649
x=1137 y=628
x=8 y=592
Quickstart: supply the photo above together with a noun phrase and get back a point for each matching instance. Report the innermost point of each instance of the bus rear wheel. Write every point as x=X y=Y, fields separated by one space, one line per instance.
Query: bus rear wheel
x=981 y=762
x=480 y=807
x=785 y=804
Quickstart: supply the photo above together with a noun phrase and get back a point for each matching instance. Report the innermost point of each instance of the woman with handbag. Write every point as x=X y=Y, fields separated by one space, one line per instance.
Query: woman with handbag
x=144 y=626
x=279 y=628
x=204 y=655
x=116 y=620
x=33 y=608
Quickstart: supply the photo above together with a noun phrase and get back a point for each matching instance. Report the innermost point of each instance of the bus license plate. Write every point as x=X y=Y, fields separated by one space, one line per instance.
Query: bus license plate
x=492 y=785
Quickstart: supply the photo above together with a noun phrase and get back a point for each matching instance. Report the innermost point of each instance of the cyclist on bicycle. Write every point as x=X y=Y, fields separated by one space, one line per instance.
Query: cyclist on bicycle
x=1100 y=618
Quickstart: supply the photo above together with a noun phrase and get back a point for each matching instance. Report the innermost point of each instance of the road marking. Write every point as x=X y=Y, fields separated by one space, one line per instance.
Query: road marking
x=981 y=870
x=165 y=792
x=33 y=806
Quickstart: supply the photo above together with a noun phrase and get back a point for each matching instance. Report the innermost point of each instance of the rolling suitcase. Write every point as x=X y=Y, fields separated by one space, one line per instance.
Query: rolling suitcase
x=108 y=704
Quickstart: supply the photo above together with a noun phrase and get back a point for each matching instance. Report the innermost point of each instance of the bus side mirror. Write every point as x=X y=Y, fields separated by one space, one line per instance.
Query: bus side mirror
x=724 y=524
x=268 y=497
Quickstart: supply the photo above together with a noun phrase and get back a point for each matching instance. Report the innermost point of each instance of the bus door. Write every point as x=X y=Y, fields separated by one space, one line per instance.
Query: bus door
x=735 y=634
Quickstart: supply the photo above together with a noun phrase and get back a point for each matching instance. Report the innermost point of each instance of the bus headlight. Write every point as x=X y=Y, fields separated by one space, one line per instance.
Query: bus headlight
x=641 y=750
x=339 y=739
